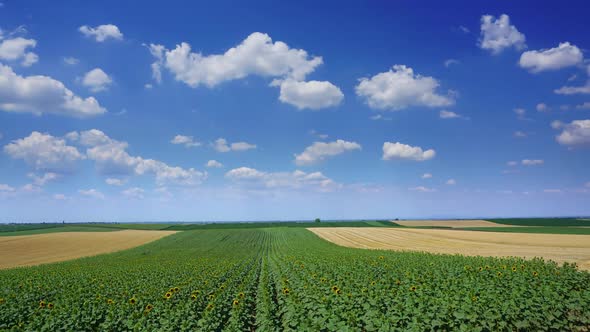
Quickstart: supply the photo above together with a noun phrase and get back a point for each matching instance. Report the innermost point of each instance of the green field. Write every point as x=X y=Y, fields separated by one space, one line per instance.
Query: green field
x=557 y=222
x=287 y=279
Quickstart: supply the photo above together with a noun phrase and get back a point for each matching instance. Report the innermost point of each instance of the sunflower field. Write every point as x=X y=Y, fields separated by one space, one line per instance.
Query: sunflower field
x=287 y=279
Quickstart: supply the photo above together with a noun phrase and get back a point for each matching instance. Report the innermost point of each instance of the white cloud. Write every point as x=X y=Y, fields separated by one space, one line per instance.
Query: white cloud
x=59 y=197
x=520 y=113
x=451 y=182
x=43 y=179
x=552 y=191
x=498 y=34
x=519 y=133
x=42 y=95
x=102 y=32
x=148 y=86
x=575 y=133
x=427 y=176
x=403 y=151
x=311 y=94
x=512 y=163
x=6 y=188
x=44 y=152
x=444 y=114
x=15 y=49
x=573 y=90
x=400 y=88
x=319 y=151
x=562 y=56
x=423 y=189
x=187 y=141
x=450 y=62
x=464 y=29
x=542 y=107
x=379 y=117
x=277 y=180
x=92 y=193
x=97 y=80
x=256 y=55
x=214 y=164
x=111 y=157
x=584 y=106
x=532 y=162
x=221 y=145
x=71 y=61
x=134 y=192
x=115 y=181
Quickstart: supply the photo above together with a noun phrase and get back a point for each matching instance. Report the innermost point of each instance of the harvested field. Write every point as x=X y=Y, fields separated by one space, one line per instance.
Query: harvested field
x=450 y=223
x=56 y=247
x=557 y=247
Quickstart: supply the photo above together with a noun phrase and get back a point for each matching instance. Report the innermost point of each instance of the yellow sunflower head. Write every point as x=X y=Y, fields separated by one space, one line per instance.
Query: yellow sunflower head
x=110 y=301
x=41 y=304
x=286 y=291
x=176 y=289
x=241 y=295
x=132 y=300
x=149 y=307
x=50 y=305
x=168 y=295
x=193 y=297
x=236 y=302
x=413 y=288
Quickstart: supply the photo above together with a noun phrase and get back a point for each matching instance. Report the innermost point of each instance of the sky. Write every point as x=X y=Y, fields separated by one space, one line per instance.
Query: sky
x=292 y=110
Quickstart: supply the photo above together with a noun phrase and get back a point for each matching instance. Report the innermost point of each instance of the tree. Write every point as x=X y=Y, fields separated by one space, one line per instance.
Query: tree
x=317 y=219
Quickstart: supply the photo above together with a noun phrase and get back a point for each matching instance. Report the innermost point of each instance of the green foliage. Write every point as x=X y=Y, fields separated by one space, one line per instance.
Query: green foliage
x=59 y=229
x=317 y=220
x=287 y=279
x=543 y=221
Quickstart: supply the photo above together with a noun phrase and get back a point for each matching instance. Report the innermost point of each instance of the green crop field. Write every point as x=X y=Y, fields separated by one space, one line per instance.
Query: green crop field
x=287 y=279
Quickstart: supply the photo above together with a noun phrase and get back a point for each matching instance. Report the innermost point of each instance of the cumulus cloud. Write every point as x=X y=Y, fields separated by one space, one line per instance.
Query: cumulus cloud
x=44 y=152
x=426 y=176
x=584 y=106
x=520 y=113
x=43 y=179
x=277 y=180
x=532 y=162
x=319 y=151
x=17 y=49
x=542 y=107
x=444 y=114
x=97 y=80
x=42 y=95
x=450 y=62
x=562 y=56
x=102 y=32
x=115 y=181
x=573 y=90
x=112 y=158
x=512 y=163
x=313 y=95
x=214 y=164
x=221 y=145
x=93 y=193
x=134 y=192
x=256 y=55
x=187 y=141
x=422 y=189
x=520 y=134
x=400 y=88
x=6 y=188
x=451 y=182
x=71 y=61
x=575 y=133
x=403 y=151
x=498 y=34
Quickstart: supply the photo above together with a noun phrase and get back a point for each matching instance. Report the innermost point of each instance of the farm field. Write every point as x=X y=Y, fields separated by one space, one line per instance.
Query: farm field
x=448 y=223
x=557 y=247
x=54 y=247
x=288 y=279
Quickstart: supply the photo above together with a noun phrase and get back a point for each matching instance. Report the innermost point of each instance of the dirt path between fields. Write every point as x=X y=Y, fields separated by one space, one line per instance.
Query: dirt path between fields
x=557 y=247
x=37 y=249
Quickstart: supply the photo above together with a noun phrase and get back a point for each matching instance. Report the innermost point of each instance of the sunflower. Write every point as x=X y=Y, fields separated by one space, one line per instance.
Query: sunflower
x=499 y=274
x=334 y=288
x=168 y=295
x=480 y=269
x=235 y=303
x=398 y=282
x=50 y=305
x=413 y=288
x=222 y=287
x=193 y=297
x=338 y=292
x=514 y=269
x=474 y=298
x=210 y=306
x=41 y=304
x=171 y=290
x=535 y=274
x=323 y=279
x=149 y=307
x=132 y=300
x=381 y=257
x=2 y=300
x=110 y=301
x=211 y=296
x=373 y=283
x=286 y=291
x=241 y=295
x=176 y=289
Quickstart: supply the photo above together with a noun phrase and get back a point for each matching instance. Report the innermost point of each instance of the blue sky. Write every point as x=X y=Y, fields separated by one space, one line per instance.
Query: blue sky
x=293 y=110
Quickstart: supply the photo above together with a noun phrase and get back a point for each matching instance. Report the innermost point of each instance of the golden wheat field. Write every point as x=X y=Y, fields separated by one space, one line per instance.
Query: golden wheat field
x=36 y=249
x=557 y=247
